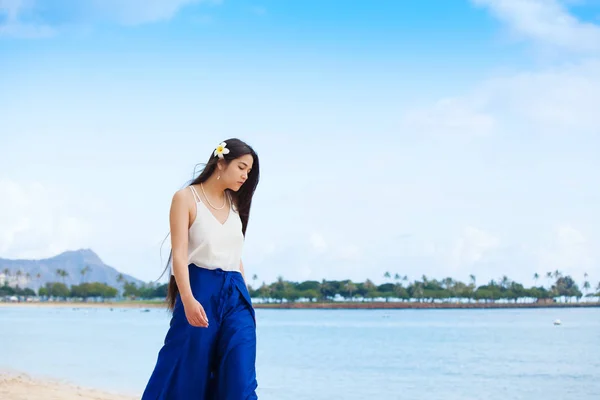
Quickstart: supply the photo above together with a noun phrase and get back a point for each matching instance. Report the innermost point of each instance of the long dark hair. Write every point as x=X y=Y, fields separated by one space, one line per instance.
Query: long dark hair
x=242 y=199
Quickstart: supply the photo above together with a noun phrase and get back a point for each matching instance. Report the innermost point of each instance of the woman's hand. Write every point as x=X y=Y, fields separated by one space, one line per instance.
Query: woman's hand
x=195 y=313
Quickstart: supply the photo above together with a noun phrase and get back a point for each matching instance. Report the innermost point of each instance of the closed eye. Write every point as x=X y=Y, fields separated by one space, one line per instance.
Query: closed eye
x=243 y=165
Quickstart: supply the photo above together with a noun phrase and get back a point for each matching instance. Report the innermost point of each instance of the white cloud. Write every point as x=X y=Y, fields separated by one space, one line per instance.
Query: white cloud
x=25 y=18
x=261 y=249
x=453 y=116
x=547 y=23
x=10 y=11
x=557 y=100
x=335 y=248
x=38 y=221
x=318 y=242
x=11 y=8
x=133 y=12
x=348 y=252
x=26 y=31
x=472 y=247
x=568 y=251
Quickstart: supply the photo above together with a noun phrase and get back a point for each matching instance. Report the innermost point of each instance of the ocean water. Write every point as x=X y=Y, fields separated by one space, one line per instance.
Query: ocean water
x=333 y=354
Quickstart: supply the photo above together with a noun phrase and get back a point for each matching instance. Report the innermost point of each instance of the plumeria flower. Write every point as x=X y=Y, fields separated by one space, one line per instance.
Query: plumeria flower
x=221 y=150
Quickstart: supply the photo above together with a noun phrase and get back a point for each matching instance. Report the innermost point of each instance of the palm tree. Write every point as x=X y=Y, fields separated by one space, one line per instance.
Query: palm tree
x=397 y=278
x=121 y=279
x=418 y=292
x=557 y=274
x=387 y=275
x=447 y=282
x=6 y=275
x=470 y=289
x=536 y=276
x=84 y=271
x=586 y=287
x=18 y=274
x=351 y=288
x=549 y=277
x=369 y=288
x=63 y=274
x=254 y=278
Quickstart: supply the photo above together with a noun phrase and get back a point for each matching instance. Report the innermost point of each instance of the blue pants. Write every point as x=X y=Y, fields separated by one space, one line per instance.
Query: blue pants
x=214 y=363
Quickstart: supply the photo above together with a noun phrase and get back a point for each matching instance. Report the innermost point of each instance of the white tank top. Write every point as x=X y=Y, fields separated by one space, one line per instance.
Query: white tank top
x=214 y=245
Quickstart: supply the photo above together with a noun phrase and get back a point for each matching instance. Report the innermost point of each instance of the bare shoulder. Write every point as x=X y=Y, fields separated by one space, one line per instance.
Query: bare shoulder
x=182 y=198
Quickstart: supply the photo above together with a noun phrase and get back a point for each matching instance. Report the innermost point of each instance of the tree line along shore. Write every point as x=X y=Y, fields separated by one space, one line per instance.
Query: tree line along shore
x=396 y=292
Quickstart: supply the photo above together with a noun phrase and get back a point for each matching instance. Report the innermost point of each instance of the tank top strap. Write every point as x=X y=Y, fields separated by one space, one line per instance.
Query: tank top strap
x=196 y=196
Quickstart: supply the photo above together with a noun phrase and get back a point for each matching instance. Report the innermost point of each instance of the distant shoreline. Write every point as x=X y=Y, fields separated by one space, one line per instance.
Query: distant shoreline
x=316 y=306
x=420 y=306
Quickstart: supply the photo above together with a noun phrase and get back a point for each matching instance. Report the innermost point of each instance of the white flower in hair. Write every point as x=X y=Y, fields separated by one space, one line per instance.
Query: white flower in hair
x=221 y=150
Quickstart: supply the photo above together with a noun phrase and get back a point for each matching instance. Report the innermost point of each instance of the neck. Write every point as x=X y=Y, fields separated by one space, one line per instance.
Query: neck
x=214 y=188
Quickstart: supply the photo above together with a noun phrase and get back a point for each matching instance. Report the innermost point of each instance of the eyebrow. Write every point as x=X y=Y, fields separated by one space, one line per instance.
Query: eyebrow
x=244 y=163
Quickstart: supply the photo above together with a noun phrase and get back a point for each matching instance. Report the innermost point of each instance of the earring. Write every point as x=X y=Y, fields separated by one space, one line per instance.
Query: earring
x=218 y=177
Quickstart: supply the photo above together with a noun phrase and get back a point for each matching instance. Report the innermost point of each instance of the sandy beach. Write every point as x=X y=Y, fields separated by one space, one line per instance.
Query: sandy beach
x=19 y=386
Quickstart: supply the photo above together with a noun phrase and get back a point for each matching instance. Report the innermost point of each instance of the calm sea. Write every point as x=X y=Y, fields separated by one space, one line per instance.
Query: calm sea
x=333 y=354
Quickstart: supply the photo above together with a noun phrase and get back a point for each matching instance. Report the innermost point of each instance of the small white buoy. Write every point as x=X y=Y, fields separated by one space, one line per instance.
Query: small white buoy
x=557 y=322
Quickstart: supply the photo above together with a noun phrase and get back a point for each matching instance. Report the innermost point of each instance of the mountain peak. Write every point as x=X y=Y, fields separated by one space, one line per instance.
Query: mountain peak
x=83 y=255
x=36 y=273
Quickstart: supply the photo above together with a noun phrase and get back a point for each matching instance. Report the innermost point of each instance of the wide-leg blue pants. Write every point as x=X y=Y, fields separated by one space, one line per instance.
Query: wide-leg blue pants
x=214 y=363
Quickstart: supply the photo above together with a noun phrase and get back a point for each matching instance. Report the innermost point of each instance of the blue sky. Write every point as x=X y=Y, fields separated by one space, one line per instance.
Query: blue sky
x=437 y=138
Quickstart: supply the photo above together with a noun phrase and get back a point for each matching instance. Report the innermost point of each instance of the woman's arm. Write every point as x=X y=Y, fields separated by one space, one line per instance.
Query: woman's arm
x=179 y=221
x=242 y=270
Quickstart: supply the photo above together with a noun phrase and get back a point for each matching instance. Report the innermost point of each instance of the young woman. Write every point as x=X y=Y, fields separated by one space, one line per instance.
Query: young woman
x=210 y=348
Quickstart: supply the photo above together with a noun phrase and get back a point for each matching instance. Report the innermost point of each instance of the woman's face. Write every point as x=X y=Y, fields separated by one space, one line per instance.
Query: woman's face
x=236 y=172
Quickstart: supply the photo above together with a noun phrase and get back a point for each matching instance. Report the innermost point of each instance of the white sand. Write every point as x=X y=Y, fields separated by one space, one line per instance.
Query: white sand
x=19 y=386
